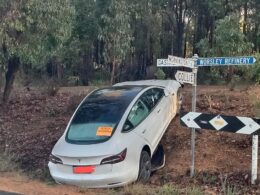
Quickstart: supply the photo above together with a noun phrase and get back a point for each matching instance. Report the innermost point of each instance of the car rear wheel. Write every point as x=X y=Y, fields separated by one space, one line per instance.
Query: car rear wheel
x=145 y=167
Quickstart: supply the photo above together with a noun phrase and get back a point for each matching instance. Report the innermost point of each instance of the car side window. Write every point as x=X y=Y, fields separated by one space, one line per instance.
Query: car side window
x=152 y=97
x=158 y=93
x=142 y=108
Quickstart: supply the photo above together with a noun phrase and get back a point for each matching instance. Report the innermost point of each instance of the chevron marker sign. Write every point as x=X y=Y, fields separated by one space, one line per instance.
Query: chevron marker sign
x=234 y=124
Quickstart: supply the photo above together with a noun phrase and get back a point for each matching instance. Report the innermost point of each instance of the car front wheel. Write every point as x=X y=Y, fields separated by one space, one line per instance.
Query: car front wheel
x=145 y=167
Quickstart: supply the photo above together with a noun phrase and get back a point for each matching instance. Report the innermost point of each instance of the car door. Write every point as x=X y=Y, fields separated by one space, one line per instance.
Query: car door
x=159 y=115
x=144 y=117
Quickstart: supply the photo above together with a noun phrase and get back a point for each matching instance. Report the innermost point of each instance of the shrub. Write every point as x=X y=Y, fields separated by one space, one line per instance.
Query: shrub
x=7 y=163
x=159 y=74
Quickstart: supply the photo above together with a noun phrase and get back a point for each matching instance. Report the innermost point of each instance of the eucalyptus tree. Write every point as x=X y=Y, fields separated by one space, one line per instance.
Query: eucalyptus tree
x=146 y=20
x=30 y=32
x=116 y=33
x=79 y=51
x=229 y=40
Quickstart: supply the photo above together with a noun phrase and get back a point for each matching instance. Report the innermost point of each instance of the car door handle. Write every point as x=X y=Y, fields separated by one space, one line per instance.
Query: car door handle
x=144 y=131
x=158 y=110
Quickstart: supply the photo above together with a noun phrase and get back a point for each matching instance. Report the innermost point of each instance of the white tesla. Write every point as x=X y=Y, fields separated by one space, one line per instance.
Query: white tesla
x=113 y=136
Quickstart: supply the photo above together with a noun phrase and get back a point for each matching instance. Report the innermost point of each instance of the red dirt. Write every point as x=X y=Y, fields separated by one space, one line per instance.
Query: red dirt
x=32 y=123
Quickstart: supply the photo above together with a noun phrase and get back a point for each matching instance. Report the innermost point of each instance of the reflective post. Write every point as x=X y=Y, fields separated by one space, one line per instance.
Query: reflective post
x=254 y=159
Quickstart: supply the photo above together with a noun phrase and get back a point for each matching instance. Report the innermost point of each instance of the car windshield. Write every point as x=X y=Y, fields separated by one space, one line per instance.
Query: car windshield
x=98 y=116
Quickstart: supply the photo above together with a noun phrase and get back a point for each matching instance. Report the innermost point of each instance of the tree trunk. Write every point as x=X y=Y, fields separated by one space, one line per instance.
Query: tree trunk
x=245 y=18
x=185 y=44
x=1 y=77
x=60 y=71
x=230 y=74
x=255 y=38
x=211 y=35
x=13 y=67
x=180 y=32
x=180 y=29
x=84 y=72
x=112 y=79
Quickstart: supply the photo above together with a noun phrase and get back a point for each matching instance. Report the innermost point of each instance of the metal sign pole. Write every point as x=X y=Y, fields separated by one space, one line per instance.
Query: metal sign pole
x=254 y=158
x=193 y=133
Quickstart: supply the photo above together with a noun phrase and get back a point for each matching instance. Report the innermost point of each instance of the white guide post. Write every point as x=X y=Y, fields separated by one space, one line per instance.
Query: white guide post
x=254 y=159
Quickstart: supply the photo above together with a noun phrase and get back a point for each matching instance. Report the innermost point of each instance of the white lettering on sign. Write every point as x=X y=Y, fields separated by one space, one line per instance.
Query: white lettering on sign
x=185 y=77
x=228 y=61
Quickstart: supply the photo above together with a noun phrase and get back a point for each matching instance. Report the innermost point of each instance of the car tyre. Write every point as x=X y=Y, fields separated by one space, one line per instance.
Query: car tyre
x=145 y=167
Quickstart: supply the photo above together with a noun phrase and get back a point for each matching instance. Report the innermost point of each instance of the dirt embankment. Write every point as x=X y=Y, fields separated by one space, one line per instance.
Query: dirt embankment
x=32 y=123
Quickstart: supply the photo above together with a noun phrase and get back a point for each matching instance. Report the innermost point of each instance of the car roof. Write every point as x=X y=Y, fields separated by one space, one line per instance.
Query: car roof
x=116 y=93
x=171 y=85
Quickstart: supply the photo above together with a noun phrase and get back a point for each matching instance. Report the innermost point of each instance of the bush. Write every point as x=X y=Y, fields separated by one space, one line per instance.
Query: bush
x=159 y=74
x=7 y=163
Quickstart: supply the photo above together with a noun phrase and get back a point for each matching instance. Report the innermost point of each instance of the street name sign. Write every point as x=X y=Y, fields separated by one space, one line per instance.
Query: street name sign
x=234 y=124
x=163 y=63
x=183 y=62
x=226 y=61
x=185 y=77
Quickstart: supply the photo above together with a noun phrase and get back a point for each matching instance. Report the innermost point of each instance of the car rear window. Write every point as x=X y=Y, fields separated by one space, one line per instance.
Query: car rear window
x=98 y=116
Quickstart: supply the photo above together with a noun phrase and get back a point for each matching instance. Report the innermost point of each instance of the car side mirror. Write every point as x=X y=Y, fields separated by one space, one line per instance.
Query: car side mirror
x=166 y=92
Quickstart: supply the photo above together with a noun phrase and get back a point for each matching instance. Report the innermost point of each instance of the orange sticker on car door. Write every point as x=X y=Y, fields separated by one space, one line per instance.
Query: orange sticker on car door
x=104 y=131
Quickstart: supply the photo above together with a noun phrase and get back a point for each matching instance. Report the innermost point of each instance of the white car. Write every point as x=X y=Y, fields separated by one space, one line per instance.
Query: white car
x=112 y=137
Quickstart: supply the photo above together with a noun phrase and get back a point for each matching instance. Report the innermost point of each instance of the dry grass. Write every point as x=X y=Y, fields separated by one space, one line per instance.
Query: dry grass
x=7 y=163
x=168 y=189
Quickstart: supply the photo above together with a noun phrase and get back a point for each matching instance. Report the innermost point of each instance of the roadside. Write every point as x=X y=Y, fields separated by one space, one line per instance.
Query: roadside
x=34 y=121
x=17 y=183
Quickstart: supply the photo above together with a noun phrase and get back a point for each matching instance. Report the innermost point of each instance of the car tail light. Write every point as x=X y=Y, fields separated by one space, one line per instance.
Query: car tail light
x=115 y=158
x=83 y=169
x=55 y=159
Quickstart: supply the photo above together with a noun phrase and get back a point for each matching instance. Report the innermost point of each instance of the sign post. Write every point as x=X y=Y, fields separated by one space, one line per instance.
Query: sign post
x=185 y=77
x=193 y=131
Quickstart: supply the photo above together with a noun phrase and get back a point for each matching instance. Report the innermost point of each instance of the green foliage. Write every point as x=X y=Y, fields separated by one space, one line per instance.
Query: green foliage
x=84 y=32
x=159 y=74
x=115 y=31
x=229 y=40
x=123 y=38
x=146 y=18
x=255 y=71
x=33 y=30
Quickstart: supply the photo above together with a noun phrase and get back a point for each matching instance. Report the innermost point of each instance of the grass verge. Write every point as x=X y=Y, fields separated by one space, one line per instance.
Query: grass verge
x=168 y=189
x=7 y=163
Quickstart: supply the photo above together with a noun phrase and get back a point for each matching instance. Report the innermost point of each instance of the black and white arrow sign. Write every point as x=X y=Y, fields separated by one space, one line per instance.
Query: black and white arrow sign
x=234 y=124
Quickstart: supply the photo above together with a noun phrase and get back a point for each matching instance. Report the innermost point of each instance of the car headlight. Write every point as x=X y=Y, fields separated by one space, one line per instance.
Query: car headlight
x=55 y=159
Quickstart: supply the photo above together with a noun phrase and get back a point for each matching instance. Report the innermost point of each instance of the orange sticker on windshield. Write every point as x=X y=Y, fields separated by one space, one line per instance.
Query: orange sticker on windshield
x=104 y=131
